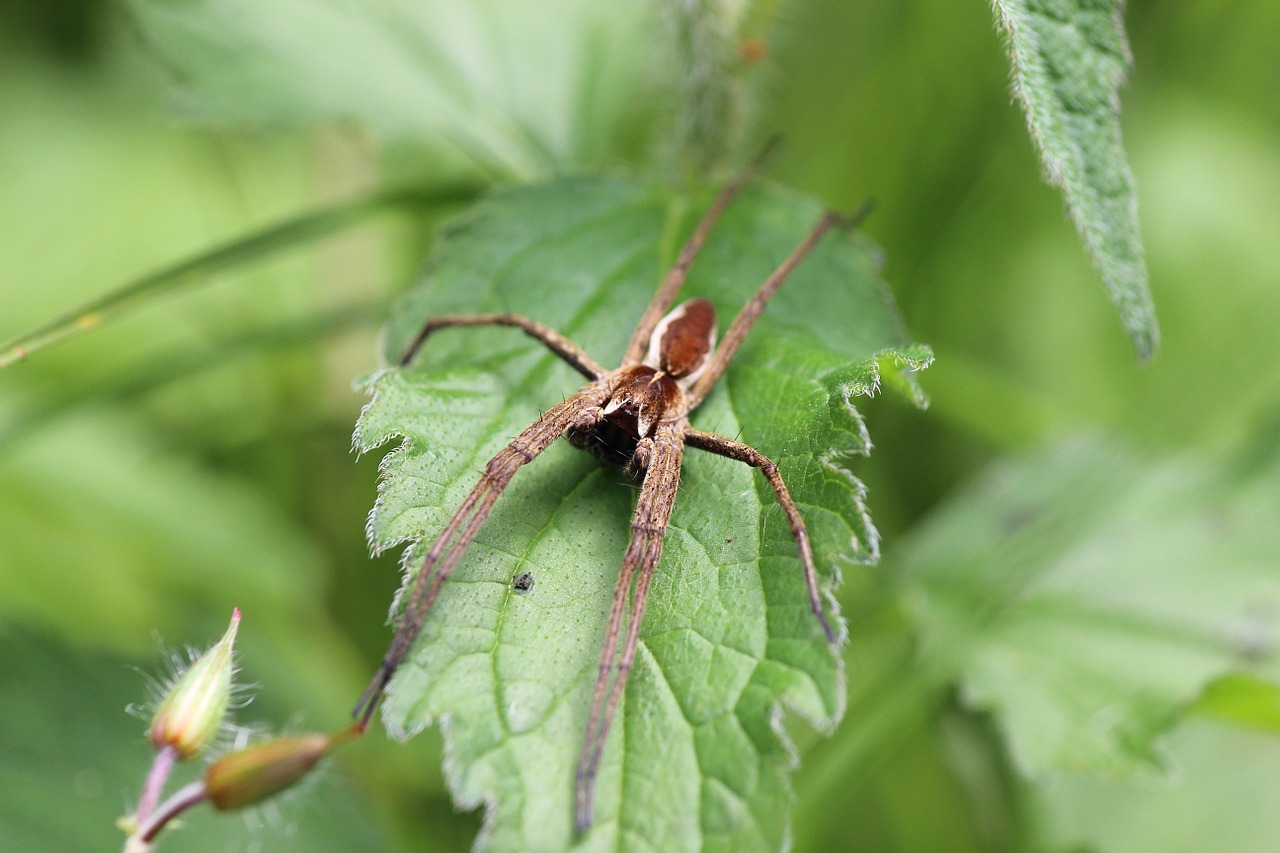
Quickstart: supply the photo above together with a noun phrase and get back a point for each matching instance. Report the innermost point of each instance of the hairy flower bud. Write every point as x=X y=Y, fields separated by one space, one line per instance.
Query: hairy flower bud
x=252 y=774
x=191 y=712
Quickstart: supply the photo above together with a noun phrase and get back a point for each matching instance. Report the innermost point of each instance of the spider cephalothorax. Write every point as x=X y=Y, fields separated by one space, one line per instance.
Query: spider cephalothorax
x=642 y=396
x=635 y=416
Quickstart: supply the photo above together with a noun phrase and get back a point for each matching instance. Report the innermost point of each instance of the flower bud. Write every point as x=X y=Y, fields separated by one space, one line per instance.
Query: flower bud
x=252 y=774
x=191 y=712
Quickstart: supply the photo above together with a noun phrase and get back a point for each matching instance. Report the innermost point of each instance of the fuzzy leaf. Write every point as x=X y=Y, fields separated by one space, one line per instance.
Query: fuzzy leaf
x=1088 y=596
x=695 y=759
x=1069 y=59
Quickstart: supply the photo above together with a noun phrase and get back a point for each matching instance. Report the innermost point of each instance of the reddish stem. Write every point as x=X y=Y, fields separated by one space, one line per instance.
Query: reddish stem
x=186 y=797
x=156 y=778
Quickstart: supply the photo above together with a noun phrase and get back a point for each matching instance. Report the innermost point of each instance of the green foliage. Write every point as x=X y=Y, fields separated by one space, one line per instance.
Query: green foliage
x=1220 y=798
x=728 y=637
x=1077 y=552
x=1242 y=699
x=236 y=254
x=441 y=73
x=1069 y=58
x=65 y=760
x=1069 y=593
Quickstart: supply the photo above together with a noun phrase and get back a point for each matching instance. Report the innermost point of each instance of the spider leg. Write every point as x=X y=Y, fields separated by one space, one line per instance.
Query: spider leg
x=755 y=306
x=727 y=447
x=661 y=455
x=675 y=278
x=576 y=357
x=582 y=410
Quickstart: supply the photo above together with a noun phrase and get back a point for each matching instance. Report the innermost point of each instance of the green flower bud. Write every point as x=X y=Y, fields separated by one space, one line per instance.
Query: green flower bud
x=252 y=774
x=191 y=713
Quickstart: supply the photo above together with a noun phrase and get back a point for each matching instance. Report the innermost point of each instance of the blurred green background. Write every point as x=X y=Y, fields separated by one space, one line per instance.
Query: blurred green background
x=195 y=456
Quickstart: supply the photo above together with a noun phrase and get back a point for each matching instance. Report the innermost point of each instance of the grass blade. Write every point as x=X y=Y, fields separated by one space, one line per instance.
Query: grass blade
x=196 y=270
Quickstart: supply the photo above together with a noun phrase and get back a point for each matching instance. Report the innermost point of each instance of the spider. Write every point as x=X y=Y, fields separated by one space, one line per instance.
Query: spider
x=636 y=416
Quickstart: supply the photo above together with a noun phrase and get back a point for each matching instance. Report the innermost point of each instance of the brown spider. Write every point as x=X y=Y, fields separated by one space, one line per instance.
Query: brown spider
x=636 y=416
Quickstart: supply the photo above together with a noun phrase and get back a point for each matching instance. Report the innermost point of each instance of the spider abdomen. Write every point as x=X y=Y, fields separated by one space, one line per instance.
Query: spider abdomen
x=683 y=340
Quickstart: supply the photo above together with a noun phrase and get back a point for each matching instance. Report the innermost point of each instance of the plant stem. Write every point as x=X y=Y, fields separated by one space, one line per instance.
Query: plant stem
x=158 y=775
x=186 y=797
x=703 y=122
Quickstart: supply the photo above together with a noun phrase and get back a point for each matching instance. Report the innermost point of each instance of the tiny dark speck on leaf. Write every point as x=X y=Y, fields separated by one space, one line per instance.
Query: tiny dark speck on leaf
x=1022 y=518
x=522 y=582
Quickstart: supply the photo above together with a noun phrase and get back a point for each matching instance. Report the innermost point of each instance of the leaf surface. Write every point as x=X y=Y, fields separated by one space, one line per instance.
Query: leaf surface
x=1069 y=59
x=695 y=759
x=1088 y=596
x=503 y=85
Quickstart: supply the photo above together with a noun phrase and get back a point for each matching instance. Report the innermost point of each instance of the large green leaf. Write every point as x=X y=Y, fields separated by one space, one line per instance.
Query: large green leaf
x=502 y=84
x=1069 y=59
x=1087 y=596
x=1223 y=800
x=695 y=758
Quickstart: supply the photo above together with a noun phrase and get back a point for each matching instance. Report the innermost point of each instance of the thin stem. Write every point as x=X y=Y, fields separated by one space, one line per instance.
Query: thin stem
x=158 y=775
x=187 y=796
x=705 y=120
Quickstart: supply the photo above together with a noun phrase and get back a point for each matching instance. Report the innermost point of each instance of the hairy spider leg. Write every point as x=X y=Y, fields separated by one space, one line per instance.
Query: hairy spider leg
x=653 y=509
x=727 y=447
x=553 y=340
x=583 y=411
x=662 y=455
x=536 y=438
x=675 y=277
x=755 y=306
x=659 y=457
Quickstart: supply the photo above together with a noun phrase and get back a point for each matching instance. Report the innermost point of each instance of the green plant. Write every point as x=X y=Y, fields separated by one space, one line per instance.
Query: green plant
x=1096 y=598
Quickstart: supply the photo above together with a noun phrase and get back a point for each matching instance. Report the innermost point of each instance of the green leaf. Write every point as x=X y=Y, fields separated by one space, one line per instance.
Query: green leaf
x=1222 y=799
x=1087 y=596
x=1069 y=59
x=695 y=758
x=505 y=86
x=1244 y=700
